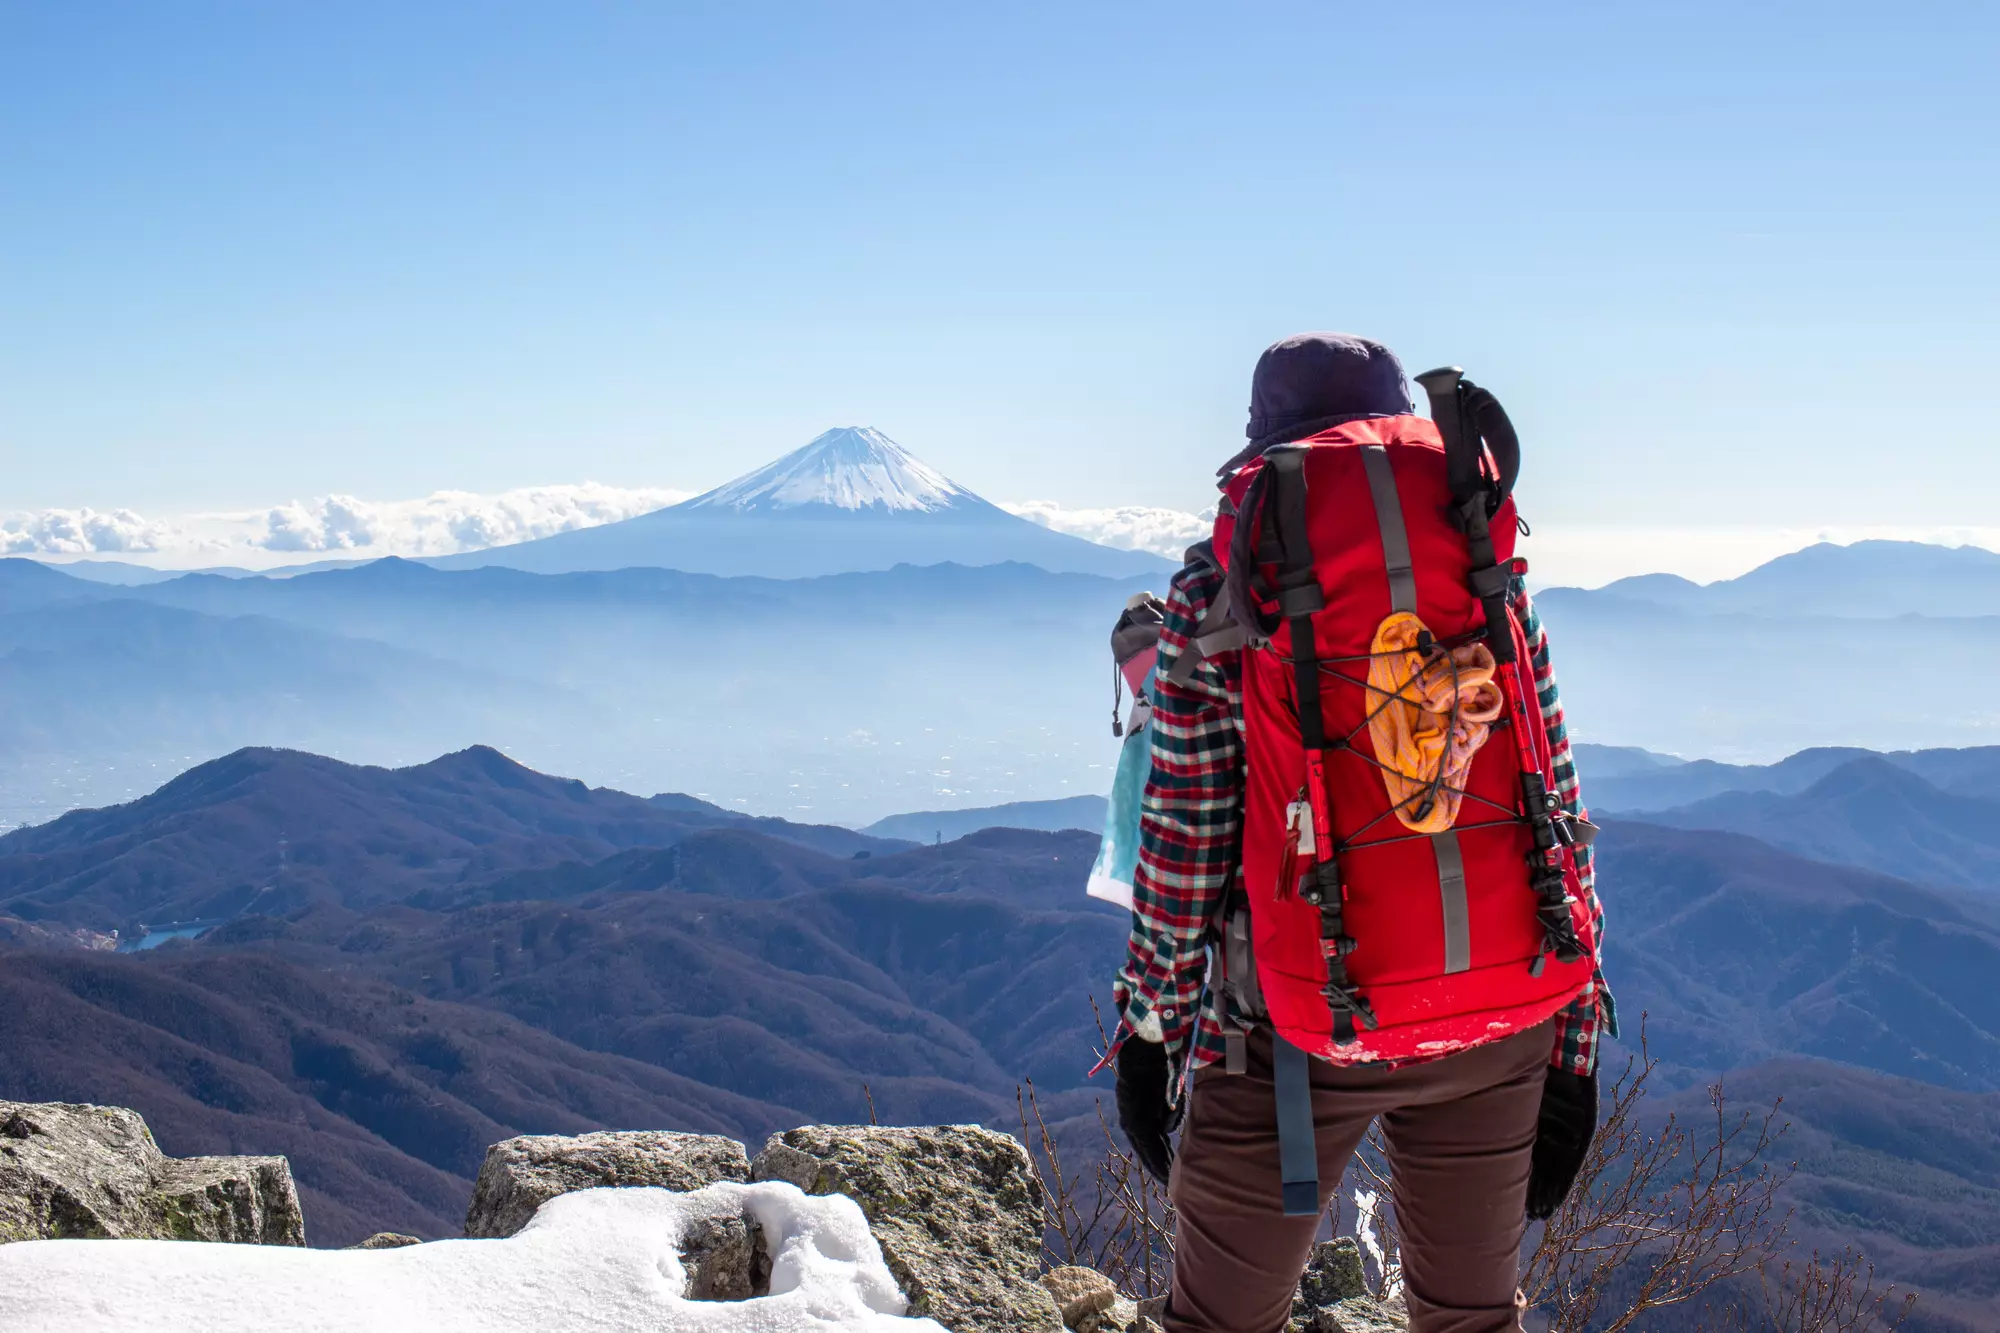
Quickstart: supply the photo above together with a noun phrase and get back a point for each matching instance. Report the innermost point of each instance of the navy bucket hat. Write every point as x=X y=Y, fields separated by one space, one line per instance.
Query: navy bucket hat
x=1310 y=381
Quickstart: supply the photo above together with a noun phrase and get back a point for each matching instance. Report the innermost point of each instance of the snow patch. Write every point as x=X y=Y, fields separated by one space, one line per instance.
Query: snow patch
x=850 y=467
x=591 y=1261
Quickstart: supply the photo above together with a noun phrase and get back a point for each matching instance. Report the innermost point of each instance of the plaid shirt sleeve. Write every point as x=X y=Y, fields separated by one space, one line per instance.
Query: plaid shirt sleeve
x=1593 y=1015
x=1190 y=821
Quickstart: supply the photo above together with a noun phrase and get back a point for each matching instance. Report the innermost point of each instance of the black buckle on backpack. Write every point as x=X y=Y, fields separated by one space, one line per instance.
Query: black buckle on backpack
x=1350 y=1010
x=1490 y=581
x=1305 y=599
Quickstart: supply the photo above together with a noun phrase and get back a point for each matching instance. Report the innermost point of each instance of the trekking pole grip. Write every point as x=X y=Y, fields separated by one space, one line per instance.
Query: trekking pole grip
x=1440 y=383
x=1445 y=388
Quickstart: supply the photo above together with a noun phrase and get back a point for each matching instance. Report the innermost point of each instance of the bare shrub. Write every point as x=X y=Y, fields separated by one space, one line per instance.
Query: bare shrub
x=1822 y=1294
x=1109 y=1214
x=1659 y=1217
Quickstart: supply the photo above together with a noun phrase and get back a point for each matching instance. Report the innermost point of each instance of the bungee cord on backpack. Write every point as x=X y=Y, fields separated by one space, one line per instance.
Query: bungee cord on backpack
x=1438 y=707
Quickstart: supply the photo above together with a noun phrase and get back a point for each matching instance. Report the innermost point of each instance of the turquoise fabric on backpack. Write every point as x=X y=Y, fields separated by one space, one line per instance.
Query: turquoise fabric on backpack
x=1118 y=854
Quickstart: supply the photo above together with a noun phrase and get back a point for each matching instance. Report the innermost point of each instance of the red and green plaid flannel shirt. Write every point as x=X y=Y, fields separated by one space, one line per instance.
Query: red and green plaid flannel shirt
x=1192 y=816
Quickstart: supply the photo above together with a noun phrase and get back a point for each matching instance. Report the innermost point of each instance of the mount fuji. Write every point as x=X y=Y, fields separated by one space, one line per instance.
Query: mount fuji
x=849 y=501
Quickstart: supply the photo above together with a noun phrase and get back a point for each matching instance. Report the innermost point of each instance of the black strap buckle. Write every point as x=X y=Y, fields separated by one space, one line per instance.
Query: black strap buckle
x=1490 y=582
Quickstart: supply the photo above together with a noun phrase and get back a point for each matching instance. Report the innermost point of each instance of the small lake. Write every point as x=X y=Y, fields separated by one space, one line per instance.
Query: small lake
x=155 y=936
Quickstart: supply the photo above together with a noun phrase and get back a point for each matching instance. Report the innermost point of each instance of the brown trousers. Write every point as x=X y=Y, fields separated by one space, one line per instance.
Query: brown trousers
x=1459 y=1132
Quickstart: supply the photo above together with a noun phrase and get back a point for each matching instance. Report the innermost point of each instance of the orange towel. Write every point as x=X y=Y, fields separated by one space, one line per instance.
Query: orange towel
x=1429 y=717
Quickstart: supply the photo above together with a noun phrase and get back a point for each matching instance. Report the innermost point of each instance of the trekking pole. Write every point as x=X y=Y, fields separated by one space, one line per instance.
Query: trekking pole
x=1464 y=452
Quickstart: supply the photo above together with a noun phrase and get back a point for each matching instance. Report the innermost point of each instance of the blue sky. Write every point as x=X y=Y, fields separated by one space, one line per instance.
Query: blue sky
x=1728 y=264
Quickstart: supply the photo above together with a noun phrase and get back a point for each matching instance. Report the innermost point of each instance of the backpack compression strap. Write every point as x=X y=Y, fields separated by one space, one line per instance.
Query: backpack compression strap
x=1299 y=597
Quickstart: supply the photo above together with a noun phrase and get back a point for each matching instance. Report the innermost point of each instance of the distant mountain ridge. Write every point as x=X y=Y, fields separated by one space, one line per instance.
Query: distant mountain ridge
x=1067 y=812
x=592 y=673
x=1861 y=580
x=1655 y=783
x=849 y=500
x=276 y=830
x=393 y=662
x=1868 y=811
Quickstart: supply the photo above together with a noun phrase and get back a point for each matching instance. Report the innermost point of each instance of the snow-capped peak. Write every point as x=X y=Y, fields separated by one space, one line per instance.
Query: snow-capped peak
x=850 y=467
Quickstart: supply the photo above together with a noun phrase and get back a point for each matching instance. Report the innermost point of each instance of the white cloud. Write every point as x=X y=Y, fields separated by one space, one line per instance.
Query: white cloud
x=452 y=521
x=81 y=532
x=1166 y=532
x=439 y=524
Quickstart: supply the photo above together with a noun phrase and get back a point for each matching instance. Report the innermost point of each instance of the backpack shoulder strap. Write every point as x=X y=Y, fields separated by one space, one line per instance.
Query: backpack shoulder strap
x=1218 y=632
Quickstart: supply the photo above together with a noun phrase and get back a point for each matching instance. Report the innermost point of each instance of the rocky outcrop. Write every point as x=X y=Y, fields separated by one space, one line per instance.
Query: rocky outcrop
x=521 y=1174
x=74 y=1171
x=386 y=1240
x=956 y=1209
x=1333 y=1273
x=1333 y=1295
x=1360 y=1314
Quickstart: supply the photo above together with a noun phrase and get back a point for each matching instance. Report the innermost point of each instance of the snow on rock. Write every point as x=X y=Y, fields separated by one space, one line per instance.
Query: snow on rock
x=72 y=1170
x=521 y=1174
x=596 y=1260
x=957 y=1209
x=850 y=467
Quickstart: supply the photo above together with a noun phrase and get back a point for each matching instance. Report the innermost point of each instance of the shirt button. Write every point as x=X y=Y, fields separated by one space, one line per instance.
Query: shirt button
x=1167 y=1013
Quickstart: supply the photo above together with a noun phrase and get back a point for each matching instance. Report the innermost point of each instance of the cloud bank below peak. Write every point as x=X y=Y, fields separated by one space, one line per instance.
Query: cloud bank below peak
x=443 y=523
x=1167 y=532
x=452 y=522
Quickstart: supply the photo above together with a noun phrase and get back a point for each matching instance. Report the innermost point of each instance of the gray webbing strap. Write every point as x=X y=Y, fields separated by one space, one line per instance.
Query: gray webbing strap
x=1298 y=1149
x=1216 y=633
x=1389 y=517
x=1451 y=888
x=1235 y=1050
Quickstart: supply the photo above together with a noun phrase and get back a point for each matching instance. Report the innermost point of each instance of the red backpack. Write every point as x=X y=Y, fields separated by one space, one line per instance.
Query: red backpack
x=1373 y=940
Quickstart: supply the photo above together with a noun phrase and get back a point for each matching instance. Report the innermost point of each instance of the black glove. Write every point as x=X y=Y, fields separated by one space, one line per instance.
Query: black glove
x=1568 y=1122
x=1143 y=1112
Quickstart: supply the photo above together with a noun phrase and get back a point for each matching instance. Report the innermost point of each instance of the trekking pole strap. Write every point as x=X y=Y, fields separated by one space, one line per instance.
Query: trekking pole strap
x=1472 y=495
x=1298 y=1144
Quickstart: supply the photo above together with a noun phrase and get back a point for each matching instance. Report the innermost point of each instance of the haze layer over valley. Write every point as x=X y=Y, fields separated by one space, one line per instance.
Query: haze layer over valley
x=924 y=650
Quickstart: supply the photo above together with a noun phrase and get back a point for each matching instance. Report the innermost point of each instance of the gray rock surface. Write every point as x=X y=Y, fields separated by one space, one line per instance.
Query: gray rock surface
x=74 y=1171
x=1362 y=1314
x=520 y=1175
x=956 y=1209
x=1084 y=1295
x=726 y=1257
x=1333 y=1295
x=387 y=1240
x=1122 y=1315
